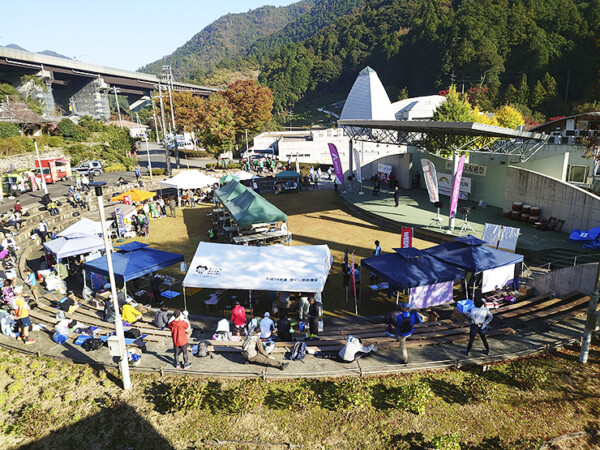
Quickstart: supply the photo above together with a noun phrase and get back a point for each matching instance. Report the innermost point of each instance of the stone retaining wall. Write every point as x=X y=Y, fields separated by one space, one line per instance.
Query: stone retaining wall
x=26 y=161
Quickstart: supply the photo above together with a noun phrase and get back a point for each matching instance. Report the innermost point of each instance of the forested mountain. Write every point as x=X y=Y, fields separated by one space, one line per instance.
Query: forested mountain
x=226 y=38
x=543 y=55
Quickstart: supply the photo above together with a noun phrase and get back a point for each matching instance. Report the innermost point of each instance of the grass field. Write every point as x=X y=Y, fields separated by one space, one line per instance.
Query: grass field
x=314 y=217
x=46 y=403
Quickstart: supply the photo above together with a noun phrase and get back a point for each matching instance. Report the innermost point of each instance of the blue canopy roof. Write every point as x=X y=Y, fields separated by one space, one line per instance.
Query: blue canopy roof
x=131 y=246
x=472 y=258
x=406 y=271
x=132 y=265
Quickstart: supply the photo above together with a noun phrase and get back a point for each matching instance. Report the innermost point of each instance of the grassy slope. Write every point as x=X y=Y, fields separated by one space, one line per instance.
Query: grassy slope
x=61 y=405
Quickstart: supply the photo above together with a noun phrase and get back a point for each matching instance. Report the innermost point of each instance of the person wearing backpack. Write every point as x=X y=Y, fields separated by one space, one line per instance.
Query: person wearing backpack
x=253 y=351
x=480 y=319
x=405 y=322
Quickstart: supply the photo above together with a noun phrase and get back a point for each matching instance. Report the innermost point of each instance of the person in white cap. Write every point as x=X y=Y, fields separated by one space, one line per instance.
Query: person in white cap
x=266 y=327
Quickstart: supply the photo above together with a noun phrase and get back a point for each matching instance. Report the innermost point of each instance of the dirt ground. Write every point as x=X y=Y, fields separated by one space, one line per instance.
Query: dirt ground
x=314 y=218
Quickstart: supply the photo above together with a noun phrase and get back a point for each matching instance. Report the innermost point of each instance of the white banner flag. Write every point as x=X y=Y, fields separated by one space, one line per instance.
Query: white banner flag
x=431 y=180
x=357 y=162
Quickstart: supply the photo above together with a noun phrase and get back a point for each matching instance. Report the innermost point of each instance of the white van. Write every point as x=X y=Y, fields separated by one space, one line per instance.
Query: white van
x=269 y=151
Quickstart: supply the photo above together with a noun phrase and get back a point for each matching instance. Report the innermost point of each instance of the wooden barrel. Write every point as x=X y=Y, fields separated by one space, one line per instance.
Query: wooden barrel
x=506 y=214
x=534 y=219
x=525 y=217
x=535 y=211
x=525 y=209
x=515 y=215
x=516 y=206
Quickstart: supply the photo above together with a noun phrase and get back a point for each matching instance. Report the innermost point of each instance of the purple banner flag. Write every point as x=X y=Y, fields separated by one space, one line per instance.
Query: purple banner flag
x=456 y=186
x=337 y=164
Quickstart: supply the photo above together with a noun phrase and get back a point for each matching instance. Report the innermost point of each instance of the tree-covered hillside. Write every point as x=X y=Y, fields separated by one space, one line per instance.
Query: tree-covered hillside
x=541 y=55
x=226 y=38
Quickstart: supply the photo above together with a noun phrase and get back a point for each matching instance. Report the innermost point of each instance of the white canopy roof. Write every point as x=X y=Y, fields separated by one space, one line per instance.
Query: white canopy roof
x=74 y=244
x=189 y=179
x=85 y=226
x=243 y=175
x=270 y=268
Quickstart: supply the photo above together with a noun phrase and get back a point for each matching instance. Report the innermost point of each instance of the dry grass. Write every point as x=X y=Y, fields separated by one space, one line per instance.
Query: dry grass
x=314 y=217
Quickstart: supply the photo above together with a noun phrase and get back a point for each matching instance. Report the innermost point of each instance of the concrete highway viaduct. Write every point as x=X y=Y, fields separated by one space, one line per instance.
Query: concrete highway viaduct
x=81 y=88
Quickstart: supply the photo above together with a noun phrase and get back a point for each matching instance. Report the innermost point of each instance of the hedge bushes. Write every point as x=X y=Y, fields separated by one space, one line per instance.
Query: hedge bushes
x=16 y=145
x=8 y=130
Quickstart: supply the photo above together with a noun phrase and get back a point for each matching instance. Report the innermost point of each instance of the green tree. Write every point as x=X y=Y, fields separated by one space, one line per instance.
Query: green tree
x=509 y=117
x=523 y=91
x=251 y=104
x=66 y=128
x=549 y=84
x=510 y=95
x=538 y=95
x=8 y=90
x=454 y=109
x=217 y=125
x=8 y=130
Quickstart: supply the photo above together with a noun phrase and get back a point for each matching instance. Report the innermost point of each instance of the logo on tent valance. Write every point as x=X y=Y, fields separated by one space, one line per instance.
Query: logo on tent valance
x=208 y=271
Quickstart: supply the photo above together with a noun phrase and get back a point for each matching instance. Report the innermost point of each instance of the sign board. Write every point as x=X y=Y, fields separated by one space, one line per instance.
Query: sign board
x=471 y=169
x=120 y=221
x=445 y=182
x=384 y=168
x=127 y=200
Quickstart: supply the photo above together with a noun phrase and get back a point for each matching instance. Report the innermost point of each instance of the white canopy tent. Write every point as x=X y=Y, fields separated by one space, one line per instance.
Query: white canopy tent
x=243 y=175
x=74 y=244
x=189 y=179
x=85 y=226
x=270 y=268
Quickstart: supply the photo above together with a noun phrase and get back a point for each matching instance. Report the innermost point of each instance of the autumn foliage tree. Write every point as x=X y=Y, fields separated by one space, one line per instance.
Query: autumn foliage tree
x=216 y=125
x=251 y=104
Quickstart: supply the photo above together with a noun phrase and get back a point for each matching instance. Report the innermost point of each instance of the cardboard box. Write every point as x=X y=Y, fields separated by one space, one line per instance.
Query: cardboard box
x=526 y=291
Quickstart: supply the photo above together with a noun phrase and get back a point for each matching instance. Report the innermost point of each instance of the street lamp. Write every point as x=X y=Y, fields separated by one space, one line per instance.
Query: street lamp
x=118 y=109
x=122 y=350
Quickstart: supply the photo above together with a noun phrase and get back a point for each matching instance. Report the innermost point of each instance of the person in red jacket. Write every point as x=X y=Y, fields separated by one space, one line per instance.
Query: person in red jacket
x=179 y=325
x=238 y=317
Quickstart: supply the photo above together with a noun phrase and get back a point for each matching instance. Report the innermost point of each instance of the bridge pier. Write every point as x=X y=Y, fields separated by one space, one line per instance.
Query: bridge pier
x=89 y=97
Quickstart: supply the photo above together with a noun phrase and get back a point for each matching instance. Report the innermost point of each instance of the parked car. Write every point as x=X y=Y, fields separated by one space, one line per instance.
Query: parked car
x=85 y=167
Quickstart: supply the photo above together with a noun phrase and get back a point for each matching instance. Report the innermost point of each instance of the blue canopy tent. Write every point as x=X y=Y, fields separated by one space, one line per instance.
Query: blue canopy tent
x=409 y=267
x=131 y=265
x=131 y=246
x=467 y=254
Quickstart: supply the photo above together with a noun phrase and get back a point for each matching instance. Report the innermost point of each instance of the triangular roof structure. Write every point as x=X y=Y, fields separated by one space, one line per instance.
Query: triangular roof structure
x=367 y=99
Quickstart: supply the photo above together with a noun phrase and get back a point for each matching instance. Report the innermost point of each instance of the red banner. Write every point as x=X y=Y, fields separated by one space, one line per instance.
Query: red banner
x=407 y=235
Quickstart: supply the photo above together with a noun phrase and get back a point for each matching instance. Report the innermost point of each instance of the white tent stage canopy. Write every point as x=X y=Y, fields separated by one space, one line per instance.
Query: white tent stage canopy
x=85 y=226
x=189 y=179
x=270 y=268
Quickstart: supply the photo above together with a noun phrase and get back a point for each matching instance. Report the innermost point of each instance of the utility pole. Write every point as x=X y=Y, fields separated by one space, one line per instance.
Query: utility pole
x=118 y=109
x=166 y=144
x=147 y=147
x=155 y=121
x=168 y=71
x=246 y=139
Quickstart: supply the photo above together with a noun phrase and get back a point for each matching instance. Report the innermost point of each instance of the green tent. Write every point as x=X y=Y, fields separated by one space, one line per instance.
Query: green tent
x=288 y=174
x=250 y=208
x=230 y=191
x=229 y=177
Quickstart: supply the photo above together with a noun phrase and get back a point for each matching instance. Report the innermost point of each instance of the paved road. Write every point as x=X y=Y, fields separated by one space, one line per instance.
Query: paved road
x=158 y=158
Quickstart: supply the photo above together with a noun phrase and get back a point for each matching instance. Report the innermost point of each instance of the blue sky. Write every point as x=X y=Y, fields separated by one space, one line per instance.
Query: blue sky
x=125 y=34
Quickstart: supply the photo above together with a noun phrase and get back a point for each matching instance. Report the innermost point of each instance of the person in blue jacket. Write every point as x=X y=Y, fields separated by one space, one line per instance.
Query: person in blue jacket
x=405 y=322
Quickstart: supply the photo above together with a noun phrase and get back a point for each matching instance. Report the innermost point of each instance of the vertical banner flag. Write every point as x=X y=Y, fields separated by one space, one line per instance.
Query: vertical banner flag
x=357 y=163
x=297 y=165
x=120 y=221
x=431 y=180
x=456 y=186
x=406 y=235
x=337 y=164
